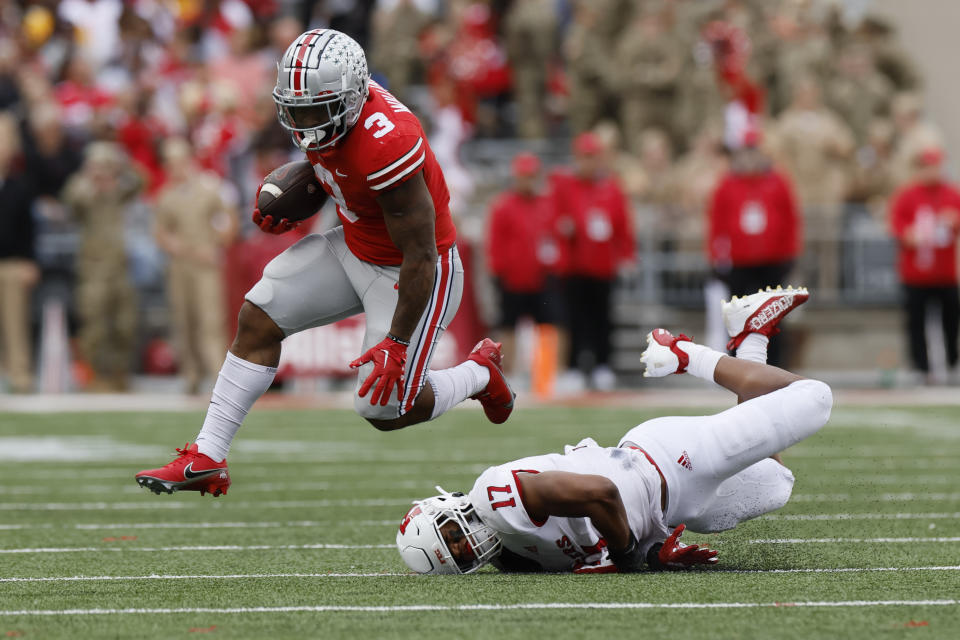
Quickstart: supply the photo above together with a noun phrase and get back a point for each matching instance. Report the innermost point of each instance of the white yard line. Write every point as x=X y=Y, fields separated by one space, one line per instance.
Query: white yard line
x=220 y=547
x=844 y=570
x=264 y=576
x=488 y=607
x=235 y=576
x=902 y=479
x=886 y=404
x=167 y=504
x=265 y=547
x=229 y=525
x=849 y=540
x=812 y=517
x=204 y=525
x=383 y=502
x=905 y=466
x=335 y=469
x=905 y=496
x=130 y=488
x=861 y=516
x=251 y=486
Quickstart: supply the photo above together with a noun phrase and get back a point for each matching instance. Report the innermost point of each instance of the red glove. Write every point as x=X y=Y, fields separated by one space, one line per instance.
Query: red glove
x=596 y=568
x=388 y=359
x=267 y=224
x=676 y=555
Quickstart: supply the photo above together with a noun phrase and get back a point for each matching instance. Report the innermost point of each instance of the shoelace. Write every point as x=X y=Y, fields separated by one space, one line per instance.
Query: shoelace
x=182 y=452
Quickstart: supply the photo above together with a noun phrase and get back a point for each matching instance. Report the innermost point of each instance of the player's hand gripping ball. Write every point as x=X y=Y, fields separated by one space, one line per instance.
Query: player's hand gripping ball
x=287 y=197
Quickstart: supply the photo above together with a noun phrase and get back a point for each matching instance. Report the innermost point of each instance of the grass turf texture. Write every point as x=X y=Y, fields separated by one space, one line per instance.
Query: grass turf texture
x=316 y=478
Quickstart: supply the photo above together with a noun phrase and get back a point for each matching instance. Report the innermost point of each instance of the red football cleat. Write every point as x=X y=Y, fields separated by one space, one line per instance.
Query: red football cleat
x=662 y=356
x=497 y=397
x=191 y=471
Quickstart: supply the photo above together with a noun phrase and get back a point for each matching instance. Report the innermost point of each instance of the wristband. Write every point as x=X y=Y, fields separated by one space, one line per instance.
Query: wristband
x=405 y=343
x=629 y=559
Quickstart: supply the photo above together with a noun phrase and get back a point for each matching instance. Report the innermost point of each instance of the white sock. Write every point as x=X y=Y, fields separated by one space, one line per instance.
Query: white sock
x=754 y=348
x=454 y=385
x=238 y=386
x=703 y=360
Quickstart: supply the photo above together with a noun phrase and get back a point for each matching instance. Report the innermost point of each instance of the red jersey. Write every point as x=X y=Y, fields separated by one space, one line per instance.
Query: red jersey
x=522 y=246
x=926 y=209
x=385 y=148
x=753 y=220
x=595 y=218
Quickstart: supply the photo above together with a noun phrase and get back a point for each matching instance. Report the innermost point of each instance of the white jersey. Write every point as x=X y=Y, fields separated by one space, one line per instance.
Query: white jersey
x=565 y=544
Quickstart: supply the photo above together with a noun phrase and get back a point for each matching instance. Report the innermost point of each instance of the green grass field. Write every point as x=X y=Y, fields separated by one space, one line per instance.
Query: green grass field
x=869 y=546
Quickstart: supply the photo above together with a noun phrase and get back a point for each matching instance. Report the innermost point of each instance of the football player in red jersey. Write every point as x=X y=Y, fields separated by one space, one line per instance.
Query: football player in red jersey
x=394 y=258
x=599 y=509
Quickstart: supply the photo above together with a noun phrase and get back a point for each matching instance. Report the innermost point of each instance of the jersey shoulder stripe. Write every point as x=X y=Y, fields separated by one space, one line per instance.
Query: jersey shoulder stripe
x=408 y=163
x=409 y=154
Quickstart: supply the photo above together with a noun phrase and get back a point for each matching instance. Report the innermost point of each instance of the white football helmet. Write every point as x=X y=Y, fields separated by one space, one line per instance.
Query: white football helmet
x=322 y=83
x=421 y=542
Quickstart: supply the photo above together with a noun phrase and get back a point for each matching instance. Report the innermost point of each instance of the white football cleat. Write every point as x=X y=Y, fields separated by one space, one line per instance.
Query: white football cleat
x=662 y=356
x=760 y=312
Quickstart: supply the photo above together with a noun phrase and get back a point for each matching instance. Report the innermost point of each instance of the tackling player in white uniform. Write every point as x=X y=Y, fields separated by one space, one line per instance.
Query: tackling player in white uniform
x=599 y=509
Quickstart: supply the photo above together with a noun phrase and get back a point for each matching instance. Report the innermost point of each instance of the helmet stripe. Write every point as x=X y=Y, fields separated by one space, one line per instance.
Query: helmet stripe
x=298 y=78
x=313 y=78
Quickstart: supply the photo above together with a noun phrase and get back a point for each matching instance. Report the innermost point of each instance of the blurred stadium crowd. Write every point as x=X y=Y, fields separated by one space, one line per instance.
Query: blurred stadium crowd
x=134 y=133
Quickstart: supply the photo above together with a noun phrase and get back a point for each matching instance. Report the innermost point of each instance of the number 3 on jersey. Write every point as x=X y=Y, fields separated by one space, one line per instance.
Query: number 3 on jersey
x=335 y=192
x=507 y=489
x=381 y=122
x=382 y=126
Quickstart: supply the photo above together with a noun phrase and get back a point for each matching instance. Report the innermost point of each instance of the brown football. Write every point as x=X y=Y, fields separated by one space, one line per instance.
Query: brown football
x=291 y=192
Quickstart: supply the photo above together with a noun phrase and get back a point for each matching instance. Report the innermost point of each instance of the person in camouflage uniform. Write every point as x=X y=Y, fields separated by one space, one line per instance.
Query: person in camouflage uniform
x=98 y=196
x=649 y=61
x=395 y=48
x=814 y=145
x=891 y=58
x=529 y=30
x=588 y=53
x=858 y=93
x=804 y=50
x=193 y=224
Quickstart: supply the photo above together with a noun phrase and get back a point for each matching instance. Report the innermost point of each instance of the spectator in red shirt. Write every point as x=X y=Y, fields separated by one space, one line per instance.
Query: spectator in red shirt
x=925 y=220
x=593 y=211
x=523 y=252
x=754 y=227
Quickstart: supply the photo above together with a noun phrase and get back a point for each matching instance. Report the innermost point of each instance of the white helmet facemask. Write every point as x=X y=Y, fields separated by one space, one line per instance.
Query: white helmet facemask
x=322 y=83
x=421 y=541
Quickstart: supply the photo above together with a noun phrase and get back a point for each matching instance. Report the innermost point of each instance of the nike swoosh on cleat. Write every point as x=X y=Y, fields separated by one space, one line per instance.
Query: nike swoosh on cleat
x=190 y=474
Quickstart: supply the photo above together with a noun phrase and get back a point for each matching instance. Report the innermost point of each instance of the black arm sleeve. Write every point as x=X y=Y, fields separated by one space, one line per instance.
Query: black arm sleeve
x=510 y=562
x=629 y=560
x=653 y=557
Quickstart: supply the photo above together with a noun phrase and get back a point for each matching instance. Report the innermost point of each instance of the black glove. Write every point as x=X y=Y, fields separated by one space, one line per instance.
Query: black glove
x=630 y=558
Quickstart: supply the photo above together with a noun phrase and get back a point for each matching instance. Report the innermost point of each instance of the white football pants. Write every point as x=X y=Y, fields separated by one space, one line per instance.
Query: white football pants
x=318 y=281
x=718 y=468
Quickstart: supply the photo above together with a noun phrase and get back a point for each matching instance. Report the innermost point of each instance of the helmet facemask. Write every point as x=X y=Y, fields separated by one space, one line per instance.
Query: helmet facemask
x=317 y=122
x=322 y=82
x=435 y=521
